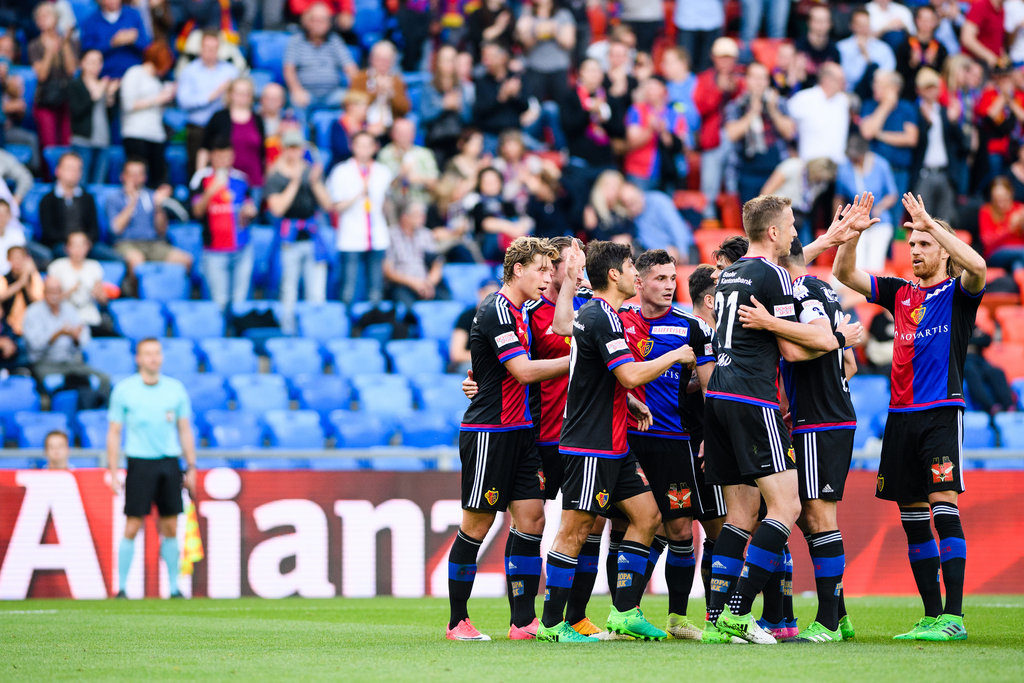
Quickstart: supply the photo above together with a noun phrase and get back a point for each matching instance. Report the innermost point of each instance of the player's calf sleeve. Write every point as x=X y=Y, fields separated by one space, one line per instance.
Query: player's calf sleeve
x=787 y=585
x=583 y=582
x=523 y=574
x=952 y=554
x=611 y=561
x=658 y=546
x=561 y=571
x=629 y=583
x=705 y=569
x=764 y=557
x=680 y=565
x=726 y=564
x=829 y=562
x=170 y=555
x=125 y=551
x=924 y=557
x=461 y=574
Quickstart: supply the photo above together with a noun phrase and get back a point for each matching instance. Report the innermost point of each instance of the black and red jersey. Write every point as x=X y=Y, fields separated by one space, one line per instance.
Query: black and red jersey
x=547 y=397
x=933 y=327
x=499 y=334
x=596 y=404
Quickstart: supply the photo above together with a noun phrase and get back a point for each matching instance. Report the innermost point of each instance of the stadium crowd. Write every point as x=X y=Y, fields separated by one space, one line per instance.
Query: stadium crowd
x=371 y=143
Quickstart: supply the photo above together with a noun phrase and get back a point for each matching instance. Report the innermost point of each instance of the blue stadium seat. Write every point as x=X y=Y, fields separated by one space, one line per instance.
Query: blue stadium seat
x=175 y=119
x=112 y=355
x=322 y=393
x=31 y=427
x=257 y=393
x=1011 y=430
x=260 y=80
x=383 y=394
x=138 y=319
x=870 y=395
x=177 y=164
x=415 y=356
x=207 y=391
x=257 y=305
x=228 y=356
x=208 y=463
x=91 y=427
x=267 y=48
x=878 y=423
x=1018 y=388
x=862 y=434
x=231 y=429
x=398 y=463
x=30 y=207
x=83 y=462
x=103 y=193
x=195 y=319
x=333 y=463
x=187 y=237
x=266 y=271
x=978 y=431
x=51 y=155
x=29 y=78
x=351 y=357
x=162 y=281
x=427 y=429
x=358 y=430
x=321 y=122
x=291 y=356
x=23 y=153
x=437 y=318
x=322 y=322
x=17 y=393
x=115 y=164
x=19 y=463
x=180 y=359
x=440 y=393
x=273 y=464
x=113 y=271
x=464 y=280
x=294 y=429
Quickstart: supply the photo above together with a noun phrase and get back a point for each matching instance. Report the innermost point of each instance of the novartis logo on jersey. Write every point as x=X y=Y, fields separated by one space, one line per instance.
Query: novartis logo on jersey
x=927 y=332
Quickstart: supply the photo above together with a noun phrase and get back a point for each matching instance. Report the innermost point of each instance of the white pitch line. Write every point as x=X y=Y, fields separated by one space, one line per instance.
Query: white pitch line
x=27 y=611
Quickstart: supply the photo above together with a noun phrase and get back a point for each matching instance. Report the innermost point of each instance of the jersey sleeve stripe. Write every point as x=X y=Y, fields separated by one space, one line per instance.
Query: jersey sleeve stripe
x=511 y=353
x=621 y=360
x=873 y=297
x=960 y=284
x=701 y=360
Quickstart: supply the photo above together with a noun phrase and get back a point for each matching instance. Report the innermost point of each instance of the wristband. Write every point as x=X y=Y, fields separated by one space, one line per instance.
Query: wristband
x=841 y=338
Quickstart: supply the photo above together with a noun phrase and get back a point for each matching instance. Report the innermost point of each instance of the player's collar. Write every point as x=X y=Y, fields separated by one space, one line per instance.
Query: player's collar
x=518 y=308
x=938 y=284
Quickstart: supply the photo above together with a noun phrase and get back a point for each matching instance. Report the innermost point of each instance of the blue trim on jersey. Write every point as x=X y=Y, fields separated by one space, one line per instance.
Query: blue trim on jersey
x=960 y=284
x=873 y=297
x=547 y=443
x=495 y=428
x=701 y=360
x=829 y=566
x=622 y=360
x=674 y=436
x=946 y=403
x=742 y=399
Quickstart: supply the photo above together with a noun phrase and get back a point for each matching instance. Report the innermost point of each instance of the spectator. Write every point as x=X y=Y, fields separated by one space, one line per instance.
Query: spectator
x=817 y=46
x=549 y=206
x=1016 y=175
x=865 y=171
x=939 y=141
x=962 y=78
x=458 y=346
x=358 y=189
x=920 y=50
x=951 y=19
x=890 y=125
x=414 y=168
x=547 y=35
x=14 y=174
x=413 y=269
x=143 y=98
x=986 y=384
x=201 y=88
x=658 y=223
x=470 y=159
x=55 y=450
x=11 y=235
x=982 y=35
x=295 y=195
x=220 y=198
x=589 y=121
x=81 y=281
x=447 y=104
x=14 y=107
x=789 y=75
x=646 y=18
x=802 y=182
x=655 y=135
x=700 y=24
x=221 y=17
x=351 y=121
x=55 y=336
x=415 y=22
x=342 y=10
x=822 y=116
x=759 y=128
x=139 y=224
x=500 y=100
x=516 y=168
x=878 y=349
x=495 y=23
x=67 y=208
x=716 y=88
x=116 y=31
x=1000 y=110
x=890 y=21
x=384 y=84
x=1001 y=224
x=54 y=59
x=775 y=13
x=619 y=80
x=1013 y=11
x=316 y=62
x=90 y=101
x=448 y=218
x=20 y=288
x=238 y=122
x=604 y=217
x=274 y=117
x=496 y=223
x=681 y=82
x=862 y=53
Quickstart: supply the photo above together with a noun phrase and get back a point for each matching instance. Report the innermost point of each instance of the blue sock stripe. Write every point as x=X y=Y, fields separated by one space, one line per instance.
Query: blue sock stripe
x=730 y=566
x=528 y=565
x=632 y=562
x=922 y=551
x=587 y=564
x=560 y=577
x=681 y=559
x=829 y=566
x=461 y=572
x=952 y=548
x=654 y=556
x=759 y=557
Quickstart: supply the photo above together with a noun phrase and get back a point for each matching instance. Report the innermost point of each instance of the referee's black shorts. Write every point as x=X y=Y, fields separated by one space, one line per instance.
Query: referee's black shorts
x=153 y=480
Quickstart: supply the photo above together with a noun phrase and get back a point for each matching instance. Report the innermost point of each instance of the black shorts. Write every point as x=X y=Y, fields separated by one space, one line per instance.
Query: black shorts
x=554 y=470
x=921 y=454
x=823 y=461
x=153 y=480
x=499 y=467
x=671 y=471
x=593 y=484
x=744 y=442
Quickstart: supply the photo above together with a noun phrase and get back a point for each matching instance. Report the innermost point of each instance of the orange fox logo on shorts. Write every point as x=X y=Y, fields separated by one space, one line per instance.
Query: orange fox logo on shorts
x=942 y=471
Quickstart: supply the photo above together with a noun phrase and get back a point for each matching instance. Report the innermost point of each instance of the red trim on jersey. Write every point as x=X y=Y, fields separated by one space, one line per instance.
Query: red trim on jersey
x=589 y=451
x=621 y=360
x=742 y=399
x=511 y=353
x=825 y=426
x=494 y=428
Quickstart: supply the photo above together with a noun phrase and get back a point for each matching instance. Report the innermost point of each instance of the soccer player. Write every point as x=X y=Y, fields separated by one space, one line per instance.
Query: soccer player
x=154 y=413
x=501 y=469
x=599 y=469
x=746 y=445
x=654 y=328
x=921 y=448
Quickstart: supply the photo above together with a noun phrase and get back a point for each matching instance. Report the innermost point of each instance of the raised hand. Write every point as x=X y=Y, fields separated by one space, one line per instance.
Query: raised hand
x=853 y=332
x=574 y=262
x=919 y=217
x=861 y=210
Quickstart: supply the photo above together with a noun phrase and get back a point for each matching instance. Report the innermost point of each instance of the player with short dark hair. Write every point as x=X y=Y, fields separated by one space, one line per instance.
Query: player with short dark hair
x=729 y=252
x=921 y=449
x=599 y=469
x=501 y=469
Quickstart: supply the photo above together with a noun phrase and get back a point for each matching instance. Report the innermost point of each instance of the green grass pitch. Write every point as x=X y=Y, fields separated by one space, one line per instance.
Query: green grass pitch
x=396 y=640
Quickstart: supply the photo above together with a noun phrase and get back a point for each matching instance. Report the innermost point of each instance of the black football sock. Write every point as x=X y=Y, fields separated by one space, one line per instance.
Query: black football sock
x=461 y=573
x=764 y=557
x=629 y=583
x=523 y=570
x=842 y=602
x=658 y=546
x=705 y=570
x=952 y=554
x=508 y=574
x=561 y=569
x=829 y=560
x=583 y=583
x=924 y=557
x=726 y=564
x=680 y=565
x=611 y=561
x=787 y=585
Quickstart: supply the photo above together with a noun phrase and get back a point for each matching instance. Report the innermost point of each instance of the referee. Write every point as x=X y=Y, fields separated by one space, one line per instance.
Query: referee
x=156 y=413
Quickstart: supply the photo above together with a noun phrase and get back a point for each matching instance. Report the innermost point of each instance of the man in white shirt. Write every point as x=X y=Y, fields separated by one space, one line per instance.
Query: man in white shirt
x=201 y=87
x=1013 y=22
x=889 y=17
x=11 y=235
x=81 y=279
x=941 y=140
x=822 y=116
x=862 y=49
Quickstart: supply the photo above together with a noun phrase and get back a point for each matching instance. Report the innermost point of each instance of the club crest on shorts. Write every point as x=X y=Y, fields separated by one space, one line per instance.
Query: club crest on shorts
x=491 y=496
x=679 y=497
x=791 y=454
x=602 y=499
x=917 y=315
x=541 y=478
x=942 y=470
x=644 y=346
x=880 y=482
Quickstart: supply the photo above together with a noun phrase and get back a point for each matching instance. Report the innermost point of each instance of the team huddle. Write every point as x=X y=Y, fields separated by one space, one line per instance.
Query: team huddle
x=647 y=417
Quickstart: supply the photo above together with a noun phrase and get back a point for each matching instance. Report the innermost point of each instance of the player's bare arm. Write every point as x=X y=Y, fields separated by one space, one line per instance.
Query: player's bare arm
x=849 y=362
x=528 y=371
x=113 y=455
x=704 y=376
x=799 y=341
x=973 y=263
x=575 y=259
x=639 y=410
x=632 y=375
x=845 y=265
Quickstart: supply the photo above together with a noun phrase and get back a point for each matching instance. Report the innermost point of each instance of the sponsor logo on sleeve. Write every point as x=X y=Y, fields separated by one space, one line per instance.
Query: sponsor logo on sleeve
x=709 y=350
x=616 y=345
x=506 y=339
x=784 y=310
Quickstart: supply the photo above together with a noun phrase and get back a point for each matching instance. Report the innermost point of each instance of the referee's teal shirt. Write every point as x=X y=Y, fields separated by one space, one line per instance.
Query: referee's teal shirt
x=149 y=413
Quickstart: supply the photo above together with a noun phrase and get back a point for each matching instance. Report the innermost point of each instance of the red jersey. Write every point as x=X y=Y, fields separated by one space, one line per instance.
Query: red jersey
x=549 y=402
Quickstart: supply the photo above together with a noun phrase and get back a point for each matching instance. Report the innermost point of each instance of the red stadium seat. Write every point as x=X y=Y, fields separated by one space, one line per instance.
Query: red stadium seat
x=1011 y=321
x=682 y=284
x=901 y=264
x=1008 y=356
x=985 y=321
x=708 y=241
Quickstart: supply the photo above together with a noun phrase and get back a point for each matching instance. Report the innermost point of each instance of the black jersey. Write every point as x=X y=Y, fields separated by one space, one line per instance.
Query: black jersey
x=596 y=407
x=748 y=360
x=499 y=334
x=819 y=397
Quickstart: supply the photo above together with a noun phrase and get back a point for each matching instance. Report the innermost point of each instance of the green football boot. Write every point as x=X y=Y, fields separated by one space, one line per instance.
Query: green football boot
x=712 y=635
x=846 y=628
x=816 y=633
x=744 y=626
x=923 y=625
x=562 y=633
x=946 y=627
x=681 y=628
x=633 y=623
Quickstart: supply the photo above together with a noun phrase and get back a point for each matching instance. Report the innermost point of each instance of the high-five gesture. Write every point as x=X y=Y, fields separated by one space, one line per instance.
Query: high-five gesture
x=919 y=218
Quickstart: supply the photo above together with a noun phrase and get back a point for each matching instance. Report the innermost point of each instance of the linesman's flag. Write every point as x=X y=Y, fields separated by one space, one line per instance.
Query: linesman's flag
x=193 y=543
